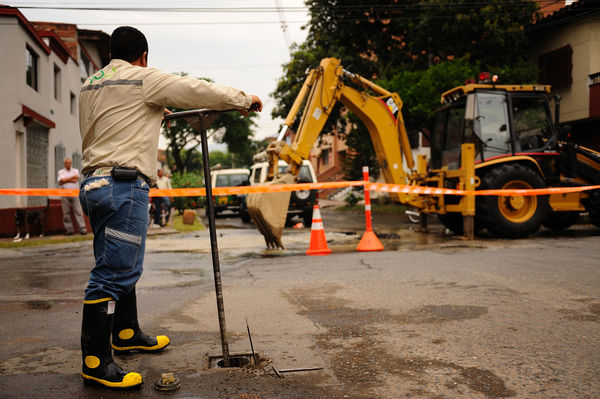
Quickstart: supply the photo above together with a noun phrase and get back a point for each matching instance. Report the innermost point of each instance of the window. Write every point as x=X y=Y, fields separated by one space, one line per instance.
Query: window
x=531 y=119
x=73 y=104
x=232 y=180
x=57 y=82
x=437 y=139
x=594 y=95
x=304 y=176
x=325 y=157
x=491 y=124
x=85 y=67
x=238 y=180
x=222 y=181
x=31 y=67
x=454 y=134
x=555 y=67
x=257 y=172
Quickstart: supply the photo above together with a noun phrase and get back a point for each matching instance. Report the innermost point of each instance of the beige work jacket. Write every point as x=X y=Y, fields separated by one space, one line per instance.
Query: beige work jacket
x=121 y=108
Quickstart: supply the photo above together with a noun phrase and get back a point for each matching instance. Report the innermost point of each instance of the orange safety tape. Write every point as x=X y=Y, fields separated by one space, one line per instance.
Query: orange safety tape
x=423 y=190
x=390 y=188
x=192 y=192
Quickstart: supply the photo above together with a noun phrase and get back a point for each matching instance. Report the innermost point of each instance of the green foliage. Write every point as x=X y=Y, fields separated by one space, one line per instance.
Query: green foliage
x=351 y=199
x=220 y=158
x=421 y=90
x=187 y=180
x=362 y=154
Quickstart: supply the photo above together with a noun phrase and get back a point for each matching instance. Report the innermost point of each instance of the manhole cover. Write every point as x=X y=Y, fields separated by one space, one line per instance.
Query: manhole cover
x=237 y=360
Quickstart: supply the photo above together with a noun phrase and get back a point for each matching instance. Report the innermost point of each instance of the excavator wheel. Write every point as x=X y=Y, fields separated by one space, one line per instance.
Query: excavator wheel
x=560 y=220
x=512 y=216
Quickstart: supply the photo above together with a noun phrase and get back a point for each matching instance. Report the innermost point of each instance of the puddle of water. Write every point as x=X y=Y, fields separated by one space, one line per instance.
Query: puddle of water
x=441 y=313
x=38 y=305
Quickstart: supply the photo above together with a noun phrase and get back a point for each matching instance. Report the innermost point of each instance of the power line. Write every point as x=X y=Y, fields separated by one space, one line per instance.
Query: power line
x=188 y=23
x=286 y=34
x=278 y=8
x=169 y=9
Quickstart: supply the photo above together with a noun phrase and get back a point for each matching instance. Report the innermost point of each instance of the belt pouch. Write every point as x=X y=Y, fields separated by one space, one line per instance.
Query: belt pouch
x=123 y=174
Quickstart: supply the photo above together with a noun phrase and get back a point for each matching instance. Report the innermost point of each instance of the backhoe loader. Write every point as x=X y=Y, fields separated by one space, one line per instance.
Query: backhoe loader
x=486 y=136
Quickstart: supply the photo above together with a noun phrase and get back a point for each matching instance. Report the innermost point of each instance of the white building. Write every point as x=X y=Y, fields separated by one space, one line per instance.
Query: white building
x=41 y=72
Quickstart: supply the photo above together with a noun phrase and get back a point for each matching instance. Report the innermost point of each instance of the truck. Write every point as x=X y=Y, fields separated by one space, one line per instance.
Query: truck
x=229 y=178
x=301 y=202
x=486 y=136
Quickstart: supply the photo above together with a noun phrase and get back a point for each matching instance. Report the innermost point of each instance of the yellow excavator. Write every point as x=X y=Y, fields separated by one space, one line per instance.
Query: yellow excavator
x=486 y=136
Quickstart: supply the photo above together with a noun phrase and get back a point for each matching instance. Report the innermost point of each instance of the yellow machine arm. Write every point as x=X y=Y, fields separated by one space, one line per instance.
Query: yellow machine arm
x=381 y=114
x=322 y=89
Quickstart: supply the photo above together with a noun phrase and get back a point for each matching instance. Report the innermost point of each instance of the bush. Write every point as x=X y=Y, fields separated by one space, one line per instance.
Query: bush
x=187 y=180
x=352 y=199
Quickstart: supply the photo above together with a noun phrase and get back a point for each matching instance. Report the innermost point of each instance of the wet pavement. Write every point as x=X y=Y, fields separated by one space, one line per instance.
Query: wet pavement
x=432 y=316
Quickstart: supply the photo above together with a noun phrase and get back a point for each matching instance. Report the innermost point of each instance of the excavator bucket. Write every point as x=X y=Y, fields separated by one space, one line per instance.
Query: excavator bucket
x=269 y=210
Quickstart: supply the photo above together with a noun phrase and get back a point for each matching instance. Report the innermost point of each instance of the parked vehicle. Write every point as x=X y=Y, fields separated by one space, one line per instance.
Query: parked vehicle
x=229 y=178
x=301 y=202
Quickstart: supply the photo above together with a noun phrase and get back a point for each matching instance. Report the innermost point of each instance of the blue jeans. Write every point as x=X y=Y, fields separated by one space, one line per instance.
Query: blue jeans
x=118 y=212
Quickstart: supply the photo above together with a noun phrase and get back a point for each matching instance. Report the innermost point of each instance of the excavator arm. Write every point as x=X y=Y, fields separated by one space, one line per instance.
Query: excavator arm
x=322 y=89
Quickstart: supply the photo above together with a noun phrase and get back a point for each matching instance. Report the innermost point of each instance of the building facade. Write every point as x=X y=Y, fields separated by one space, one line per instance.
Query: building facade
x=42 y=69
x=565 y=46
x=40 y=74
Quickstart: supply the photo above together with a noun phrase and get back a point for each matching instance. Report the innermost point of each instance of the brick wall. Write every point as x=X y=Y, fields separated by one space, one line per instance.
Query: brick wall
x=67 y=32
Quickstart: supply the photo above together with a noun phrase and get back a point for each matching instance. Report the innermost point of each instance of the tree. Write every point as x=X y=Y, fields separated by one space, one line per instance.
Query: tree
x=419 y=48
x=230 y=128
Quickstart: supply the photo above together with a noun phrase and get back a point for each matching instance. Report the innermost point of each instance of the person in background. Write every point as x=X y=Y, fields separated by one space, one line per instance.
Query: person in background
x=162 y=183
x=69 y=178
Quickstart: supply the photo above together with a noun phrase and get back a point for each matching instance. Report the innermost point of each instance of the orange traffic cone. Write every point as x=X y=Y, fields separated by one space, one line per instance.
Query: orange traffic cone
x=318 y=242
x=369 y=240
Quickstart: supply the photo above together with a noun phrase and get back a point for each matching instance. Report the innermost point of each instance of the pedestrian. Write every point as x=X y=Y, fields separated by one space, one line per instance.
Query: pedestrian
x=120 y=112
x=69 y=178
x=162 y=183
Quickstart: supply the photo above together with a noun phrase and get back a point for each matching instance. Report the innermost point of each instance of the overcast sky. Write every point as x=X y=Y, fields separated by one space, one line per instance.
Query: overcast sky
x=244 y=48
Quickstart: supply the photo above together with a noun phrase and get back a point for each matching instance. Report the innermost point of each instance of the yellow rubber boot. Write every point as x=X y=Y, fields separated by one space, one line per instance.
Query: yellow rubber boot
x=98 y=365
x=127 y=335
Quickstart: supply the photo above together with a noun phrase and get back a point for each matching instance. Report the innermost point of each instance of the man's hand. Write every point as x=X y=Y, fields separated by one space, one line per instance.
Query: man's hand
x=256 y=106
x=166 y=112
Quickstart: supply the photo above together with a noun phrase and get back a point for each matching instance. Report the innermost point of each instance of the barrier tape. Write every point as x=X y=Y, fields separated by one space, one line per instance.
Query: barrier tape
x=192 y=192
x=390 y=188
x=423 y=190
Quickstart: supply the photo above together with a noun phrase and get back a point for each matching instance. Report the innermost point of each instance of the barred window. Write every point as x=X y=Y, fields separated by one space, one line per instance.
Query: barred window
x=556 y=67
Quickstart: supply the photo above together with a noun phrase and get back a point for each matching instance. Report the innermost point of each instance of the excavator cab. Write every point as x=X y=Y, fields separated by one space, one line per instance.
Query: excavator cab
x=499 y=121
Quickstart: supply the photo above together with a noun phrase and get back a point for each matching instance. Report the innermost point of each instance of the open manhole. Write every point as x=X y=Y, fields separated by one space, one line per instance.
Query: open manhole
x=236 y=360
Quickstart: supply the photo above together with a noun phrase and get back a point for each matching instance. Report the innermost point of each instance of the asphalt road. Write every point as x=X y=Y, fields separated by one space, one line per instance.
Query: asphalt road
x=432 y=316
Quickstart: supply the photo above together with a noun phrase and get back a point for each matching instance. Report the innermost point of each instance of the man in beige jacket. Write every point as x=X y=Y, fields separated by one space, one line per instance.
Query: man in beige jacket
x=120 y=112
